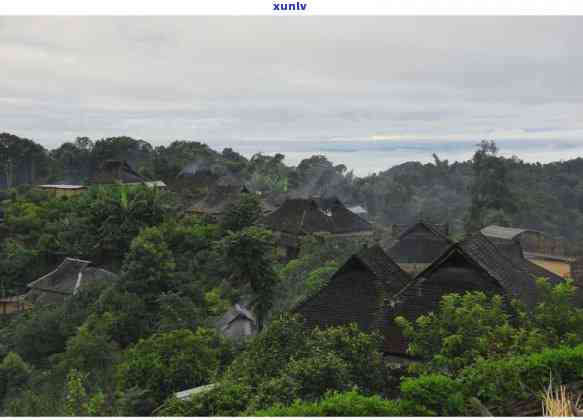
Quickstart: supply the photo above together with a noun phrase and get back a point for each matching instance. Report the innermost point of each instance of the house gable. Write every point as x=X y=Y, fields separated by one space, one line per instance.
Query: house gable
x=420 y=244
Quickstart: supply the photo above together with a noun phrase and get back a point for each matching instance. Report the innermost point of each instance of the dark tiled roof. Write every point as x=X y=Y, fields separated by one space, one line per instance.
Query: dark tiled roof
x=513 y=251
x=219 y=198
x=357 y=292
x=310 y=215
x=439 y=228
x=514 y=276
x=115 y=171
x=420 y=243
x=474 y=264
x=379 y=263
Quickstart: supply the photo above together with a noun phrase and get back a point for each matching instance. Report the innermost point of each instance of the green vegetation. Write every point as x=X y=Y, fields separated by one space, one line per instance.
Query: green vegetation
x=127 y=346
x=348 y=404
x=473 y=327
x=271 y=371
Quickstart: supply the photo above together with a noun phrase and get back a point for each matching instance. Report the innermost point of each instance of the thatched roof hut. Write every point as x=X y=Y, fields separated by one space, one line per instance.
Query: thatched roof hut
x=356 y=293
x=474 y=264
x=298 y=217
x=116 y=171
x=71 y=276
x=237 y=323
x=304 y=216
x=218 y=199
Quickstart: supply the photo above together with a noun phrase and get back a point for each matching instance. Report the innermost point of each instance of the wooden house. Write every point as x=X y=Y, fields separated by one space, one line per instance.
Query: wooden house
x=218 y=199
x=195 y=179
x=238 y=323
x=474 y=264
x=116 y=172
x=71 y=276
x=298 y=217
x=418 y=245
x=537 y=247
x=356 y=293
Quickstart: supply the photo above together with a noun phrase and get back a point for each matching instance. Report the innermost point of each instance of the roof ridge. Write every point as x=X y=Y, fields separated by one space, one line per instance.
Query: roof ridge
x=428 y=226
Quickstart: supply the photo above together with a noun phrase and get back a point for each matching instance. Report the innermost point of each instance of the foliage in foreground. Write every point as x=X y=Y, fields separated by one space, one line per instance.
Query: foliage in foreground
x=473 y=327
x=347 y=404
x=496 y=382
x=271 y=371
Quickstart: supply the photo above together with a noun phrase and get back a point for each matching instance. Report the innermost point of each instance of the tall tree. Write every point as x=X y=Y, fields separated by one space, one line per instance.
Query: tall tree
x=248 y=257
x=490 y=190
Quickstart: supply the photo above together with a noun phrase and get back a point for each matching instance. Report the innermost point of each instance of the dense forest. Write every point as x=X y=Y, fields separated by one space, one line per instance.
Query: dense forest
x=546 y=197
x=126 y=346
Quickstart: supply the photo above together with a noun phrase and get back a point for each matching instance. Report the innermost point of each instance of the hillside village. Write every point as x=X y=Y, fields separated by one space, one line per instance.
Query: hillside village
x=183 y=281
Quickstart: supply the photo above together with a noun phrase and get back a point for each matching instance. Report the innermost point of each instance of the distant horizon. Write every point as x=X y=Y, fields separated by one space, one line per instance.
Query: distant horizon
x=365 y=156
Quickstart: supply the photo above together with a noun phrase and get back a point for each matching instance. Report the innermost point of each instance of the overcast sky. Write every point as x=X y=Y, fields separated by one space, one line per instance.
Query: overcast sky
x=227 y=80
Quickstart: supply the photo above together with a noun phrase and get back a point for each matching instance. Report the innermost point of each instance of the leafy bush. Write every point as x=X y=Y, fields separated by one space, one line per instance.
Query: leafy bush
x=14 y=373
x=225 y=399
x=439 y=393
x=521 y=377
x=278 y=372
x=317 y=374
x=169 y=362
x=349 y=404
x=269 y=353
x=495 y=382
x=471 y=327
x=359 y=350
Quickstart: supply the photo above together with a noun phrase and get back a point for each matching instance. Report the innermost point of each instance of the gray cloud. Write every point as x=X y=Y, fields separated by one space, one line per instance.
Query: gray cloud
x=231 y=79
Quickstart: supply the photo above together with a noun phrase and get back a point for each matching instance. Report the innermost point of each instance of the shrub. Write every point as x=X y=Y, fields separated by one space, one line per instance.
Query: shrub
x=359 y=350
x=269 y=353
x=169 y=362
x=225 y=399
x=496 y=382
x=439 y=393
x=14 y=373
x=318 y=373
x=520 y=377
x=465 y=328
x=351 y=403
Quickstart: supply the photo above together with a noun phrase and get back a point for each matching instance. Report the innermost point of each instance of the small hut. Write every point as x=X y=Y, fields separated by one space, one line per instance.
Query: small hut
x=196 y=178
x=71 y=276
x=298 y=217
x=218 y=200
x=418 y=245
x=116 y=172
x=238 y=323
x=356 y=293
